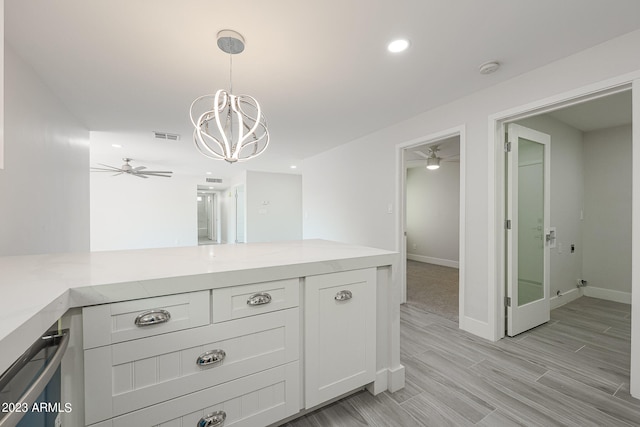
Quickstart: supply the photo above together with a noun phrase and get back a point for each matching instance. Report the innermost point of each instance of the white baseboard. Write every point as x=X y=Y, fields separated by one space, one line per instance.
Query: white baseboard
x=607 y=294
x=391 y=379
x=381 y=382
x=431 y=260
x=558 y=301
x=476 y=327
x=396 y=378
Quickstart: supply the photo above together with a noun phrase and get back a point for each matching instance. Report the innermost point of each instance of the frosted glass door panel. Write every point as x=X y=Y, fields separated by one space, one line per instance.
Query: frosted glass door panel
x=530 y=221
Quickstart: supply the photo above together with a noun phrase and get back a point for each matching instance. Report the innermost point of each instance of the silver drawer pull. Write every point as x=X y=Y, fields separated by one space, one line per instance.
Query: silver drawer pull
x=343 y=296
x=215 y=419
x=259 y=299
x=152 y=317
x=211 y=357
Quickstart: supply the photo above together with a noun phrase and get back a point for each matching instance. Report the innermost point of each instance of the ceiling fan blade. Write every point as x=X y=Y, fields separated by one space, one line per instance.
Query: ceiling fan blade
x=156 y=172
x=110 y=167
x=139 y=175
x=420 y=153
x=103 y=170
x=119 y=173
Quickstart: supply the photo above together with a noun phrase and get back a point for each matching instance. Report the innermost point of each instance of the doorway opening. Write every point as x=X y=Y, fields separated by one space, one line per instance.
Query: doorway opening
x=431 y=223
x=586 y=238
x=208 y=217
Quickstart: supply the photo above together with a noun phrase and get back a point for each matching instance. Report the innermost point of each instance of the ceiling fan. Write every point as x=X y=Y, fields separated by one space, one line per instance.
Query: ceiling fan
x=138 y=171
x=433 y=160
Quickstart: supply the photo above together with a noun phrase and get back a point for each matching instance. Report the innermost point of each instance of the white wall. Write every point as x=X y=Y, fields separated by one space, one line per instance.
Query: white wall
x=607 y=209
x=567 y=189
x=347 y=190
x=134 y=213
x=44 y=186
x=273 y=207
x=433 y=214
x=2 y=85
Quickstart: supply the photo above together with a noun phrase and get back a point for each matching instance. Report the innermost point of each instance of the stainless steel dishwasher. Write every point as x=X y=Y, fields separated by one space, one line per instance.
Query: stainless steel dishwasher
x=30 y=390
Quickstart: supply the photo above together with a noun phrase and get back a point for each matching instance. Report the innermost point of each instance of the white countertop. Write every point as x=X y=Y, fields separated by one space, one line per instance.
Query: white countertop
x=36 y=290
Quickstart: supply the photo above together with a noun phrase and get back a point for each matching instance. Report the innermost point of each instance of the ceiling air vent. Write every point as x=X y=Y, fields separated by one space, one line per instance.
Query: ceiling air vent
x=215 y=180
x=168 y=136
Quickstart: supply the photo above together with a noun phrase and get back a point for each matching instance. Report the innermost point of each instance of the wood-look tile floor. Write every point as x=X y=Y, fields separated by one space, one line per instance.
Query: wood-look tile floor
x=572 y=371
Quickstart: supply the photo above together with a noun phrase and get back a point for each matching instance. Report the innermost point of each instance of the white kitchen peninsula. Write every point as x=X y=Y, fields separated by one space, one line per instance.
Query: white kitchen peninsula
x=272 y=328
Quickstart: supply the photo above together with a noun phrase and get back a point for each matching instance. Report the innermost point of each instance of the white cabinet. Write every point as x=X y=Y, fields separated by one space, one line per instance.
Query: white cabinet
x=339 y=333
x=201 y=353
x=253 y=401
x=122 y=321
x=131 y=375
x=235 y=302
x=237 y=350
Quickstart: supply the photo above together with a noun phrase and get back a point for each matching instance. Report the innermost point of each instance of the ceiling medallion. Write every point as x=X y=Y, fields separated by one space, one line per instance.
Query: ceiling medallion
x=229 y=127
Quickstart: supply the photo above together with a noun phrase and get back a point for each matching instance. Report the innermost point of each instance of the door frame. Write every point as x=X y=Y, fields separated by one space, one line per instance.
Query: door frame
x=401 y=200
x=496 y=163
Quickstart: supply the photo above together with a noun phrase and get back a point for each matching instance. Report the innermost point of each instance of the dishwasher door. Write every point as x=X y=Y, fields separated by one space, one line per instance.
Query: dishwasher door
x=30 y=388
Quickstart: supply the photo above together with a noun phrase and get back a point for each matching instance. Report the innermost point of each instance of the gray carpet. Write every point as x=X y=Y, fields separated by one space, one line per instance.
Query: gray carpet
x=433 y=288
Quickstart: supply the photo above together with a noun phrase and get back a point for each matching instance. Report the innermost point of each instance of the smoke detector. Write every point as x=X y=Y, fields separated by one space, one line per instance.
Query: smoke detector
x=489 y=67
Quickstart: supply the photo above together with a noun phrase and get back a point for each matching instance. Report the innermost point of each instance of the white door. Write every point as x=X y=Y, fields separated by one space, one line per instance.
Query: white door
x=528 y=230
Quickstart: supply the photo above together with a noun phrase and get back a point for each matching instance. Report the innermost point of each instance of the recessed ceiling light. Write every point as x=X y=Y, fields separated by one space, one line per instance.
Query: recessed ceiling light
x=399 y=45
x=210 y=188
x=116 y=145
x=208 y=173
x=294 y=167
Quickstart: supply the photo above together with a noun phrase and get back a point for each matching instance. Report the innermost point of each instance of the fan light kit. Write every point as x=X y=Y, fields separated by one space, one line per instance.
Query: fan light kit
x=229 y=127
x=139 y=171
x=433 y=161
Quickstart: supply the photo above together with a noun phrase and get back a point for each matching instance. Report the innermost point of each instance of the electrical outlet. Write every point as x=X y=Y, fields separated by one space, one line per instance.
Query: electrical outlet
x=573 y=248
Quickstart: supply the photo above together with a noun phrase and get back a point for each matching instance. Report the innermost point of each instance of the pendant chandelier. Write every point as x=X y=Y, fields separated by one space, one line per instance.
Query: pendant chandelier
x=229 y=127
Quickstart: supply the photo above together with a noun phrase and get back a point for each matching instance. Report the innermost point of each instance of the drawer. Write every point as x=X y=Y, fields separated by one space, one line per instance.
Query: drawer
x=112 y=323
x=253 y=401
x=234 y=302
x=132 y=375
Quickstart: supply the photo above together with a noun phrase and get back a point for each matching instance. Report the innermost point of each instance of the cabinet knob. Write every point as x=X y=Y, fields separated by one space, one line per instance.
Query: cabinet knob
x=152 y=317
x=211 y=357
x=343 y=296
x=215 y=419
x=260 y=298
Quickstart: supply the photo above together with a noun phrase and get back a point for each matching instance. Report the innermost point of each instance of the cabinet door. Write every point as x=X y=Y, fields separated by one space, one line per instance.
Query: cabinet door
x=340 y=333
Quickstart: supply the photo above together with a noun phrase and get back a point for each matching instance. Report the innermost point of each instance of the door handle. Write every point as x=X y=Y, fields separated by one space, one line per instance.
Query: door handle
x=550 y=236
